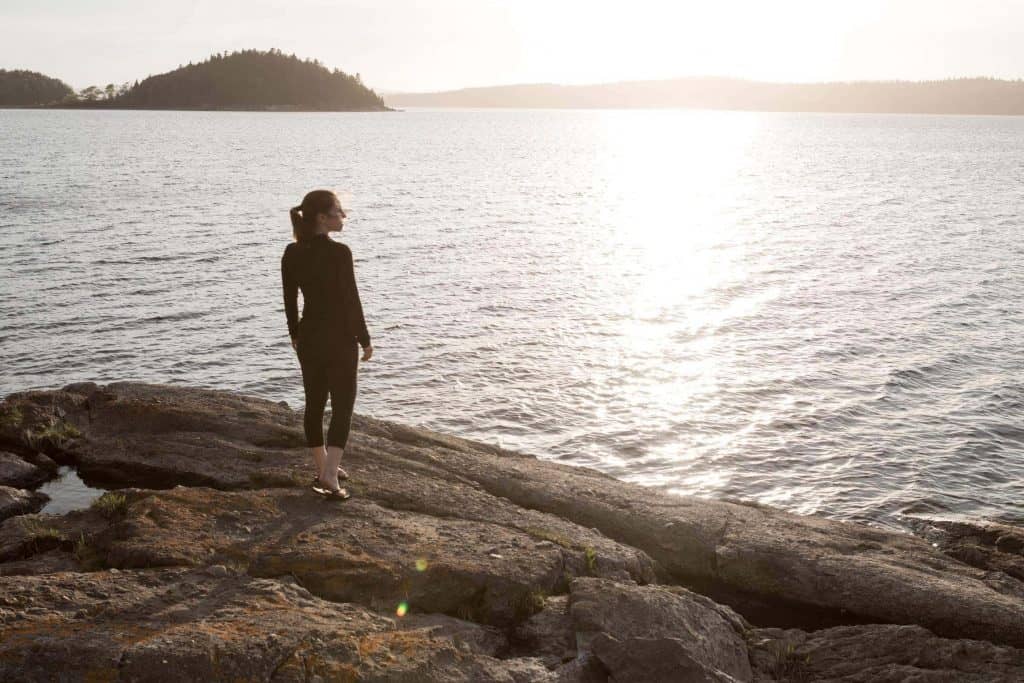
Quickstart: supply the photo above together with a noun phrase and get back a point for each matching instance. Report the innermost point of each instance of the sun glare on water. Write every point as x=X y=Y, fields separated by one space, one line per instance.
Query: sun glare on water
x=671 y=189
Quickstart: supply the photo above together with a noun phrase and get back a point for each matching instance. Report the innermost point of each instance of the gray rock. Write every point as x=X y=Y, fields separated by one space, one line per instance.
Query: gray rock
x=774 y=567
x=362 y=552
x=16 y=472
x=653 y=633
x=654 y=659
x=15 y=501
x=876 y=652
x=988 y=545
x=196 y=428
x=466 y=635
x=43 y=462
x=586 y=668
x=242 y=629
x=474 y=538
x=549 y=634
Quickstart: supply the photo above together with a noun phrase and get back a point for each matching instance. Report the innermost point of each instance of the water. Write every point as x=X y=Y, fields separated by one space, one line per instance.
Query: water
x=820 y=312
x=68 y=492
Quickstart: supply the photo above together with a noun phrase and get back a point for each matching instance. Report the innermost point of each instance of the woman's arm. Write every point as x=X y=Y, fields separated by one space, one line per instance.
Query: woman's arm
x=291 y=298
x=353 y=306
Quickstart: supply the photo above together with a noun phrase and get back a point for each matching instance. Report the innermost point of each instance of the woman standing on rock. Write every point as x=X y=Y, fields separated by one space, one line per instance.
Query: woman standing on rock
x=326 y=337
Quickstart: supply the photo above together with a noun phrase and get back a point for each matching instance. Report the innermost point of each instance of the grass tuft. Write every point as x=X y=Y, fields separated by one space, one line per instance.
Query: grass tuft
x=11 y=417
x=86 y=555
x=111 y=505
x=528 y=603
x=55 y=433
x=42 y=537
x=39 y=529
x=787 y=665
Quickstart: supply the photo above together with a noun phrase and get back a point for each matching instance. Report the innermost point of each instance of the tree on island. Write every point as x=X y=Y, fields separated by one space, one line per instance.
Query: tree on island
x=20 y=87
x=90 y=94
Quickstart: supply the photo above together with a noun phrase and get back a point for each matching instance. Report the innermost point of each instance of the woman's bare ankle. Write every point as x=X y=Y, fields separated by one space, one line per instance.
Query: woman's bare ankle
x=330 y=486
x=319 y=454
x=329 y=474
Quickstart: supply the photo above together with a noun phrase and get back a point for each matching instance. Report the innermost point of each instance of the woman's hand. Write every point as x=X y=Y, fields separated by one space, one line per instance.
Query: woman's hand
x=368 y=352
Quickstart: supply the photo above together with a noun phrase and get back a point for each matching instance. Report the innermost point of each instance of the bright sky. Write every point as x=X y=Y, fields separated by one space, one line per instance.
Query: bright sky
x=424 y=45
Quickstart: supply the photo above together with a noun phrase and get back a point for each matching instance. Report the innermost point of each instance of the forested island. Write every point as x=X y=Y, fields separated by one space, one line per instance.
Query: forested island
x=246 y=80
x=23 y=88
x=951 y=96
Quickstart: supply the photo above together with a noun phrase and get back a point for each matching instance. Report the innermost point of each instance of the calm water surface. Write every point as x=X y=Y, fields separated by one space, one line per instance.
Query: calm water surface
x=820 y=312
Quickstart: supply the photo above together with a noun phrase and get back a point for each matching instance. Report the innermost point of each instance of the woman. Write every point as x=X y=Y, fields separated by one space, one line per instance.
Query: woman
x=325 y=338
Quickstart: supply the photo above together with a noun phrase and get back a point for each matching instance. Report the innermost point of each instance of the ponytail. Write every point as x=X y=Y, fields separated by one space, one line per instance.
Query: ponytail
x=298 y=224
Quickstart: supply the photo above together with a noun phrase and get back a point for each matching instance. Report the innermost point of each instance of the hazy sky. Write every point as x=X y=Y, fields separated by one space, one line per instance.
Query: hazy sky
x=444 y=44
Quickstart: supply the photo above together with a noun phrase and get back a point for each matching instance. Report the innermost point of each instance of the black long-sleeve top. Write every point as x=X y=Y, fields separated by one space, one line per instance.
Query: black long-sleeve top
x=322 y=269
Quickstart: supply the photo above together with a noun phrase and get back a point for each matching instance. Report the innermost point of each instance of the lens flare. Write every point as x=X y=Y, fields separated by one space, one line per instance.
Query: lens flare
x=421 y=565
x=403 y=608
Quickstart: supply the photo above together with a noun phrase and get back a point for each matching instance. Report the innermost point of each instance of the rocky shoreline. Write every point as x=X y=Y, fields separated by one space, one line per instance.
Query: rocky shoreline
x=210 y=558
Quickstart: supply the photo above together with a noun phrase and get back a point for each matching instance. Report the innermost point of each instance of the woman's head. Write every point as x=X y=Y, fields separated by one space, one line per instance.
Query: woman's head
x=319 y=213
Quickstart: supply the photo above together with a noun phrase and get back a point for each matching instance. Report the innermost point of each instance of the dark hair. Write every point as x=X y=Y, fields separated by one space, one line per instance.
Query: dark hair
x=304 y=215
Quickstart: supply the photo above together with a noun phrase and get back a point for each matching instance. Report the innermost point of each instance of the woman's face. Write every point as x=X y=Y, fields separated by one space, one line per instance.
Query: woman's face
x=333 y=220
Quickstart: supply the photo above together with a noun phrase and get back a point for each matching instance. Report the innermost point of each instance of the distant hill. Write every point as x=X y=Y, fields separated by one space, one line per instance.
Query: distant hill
x=24 y=88
x=953 y=96
x=246 y=80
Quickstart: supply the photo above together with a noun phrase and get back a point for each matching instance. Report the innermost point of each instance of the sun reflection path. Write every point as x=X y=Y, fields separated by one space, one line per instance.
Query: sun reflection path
x=671 y=188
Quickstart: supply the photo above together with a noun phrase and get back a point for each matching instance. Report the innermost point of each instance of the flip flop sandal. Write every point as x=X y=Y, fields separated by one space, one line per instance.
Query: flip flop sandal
x=340 y=494
x=342 y=476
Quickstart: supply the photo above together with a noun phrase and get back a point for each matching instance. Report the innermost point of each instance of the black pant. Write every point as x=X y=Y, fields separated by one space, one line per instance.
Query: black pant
x=328 y=368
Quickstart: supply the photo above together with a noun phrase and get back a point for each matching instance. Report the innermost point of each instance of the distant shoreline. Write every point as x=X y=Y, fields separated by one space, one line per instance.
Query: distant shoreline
x=510 y=108
x=408 y=108
x=962 y=96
